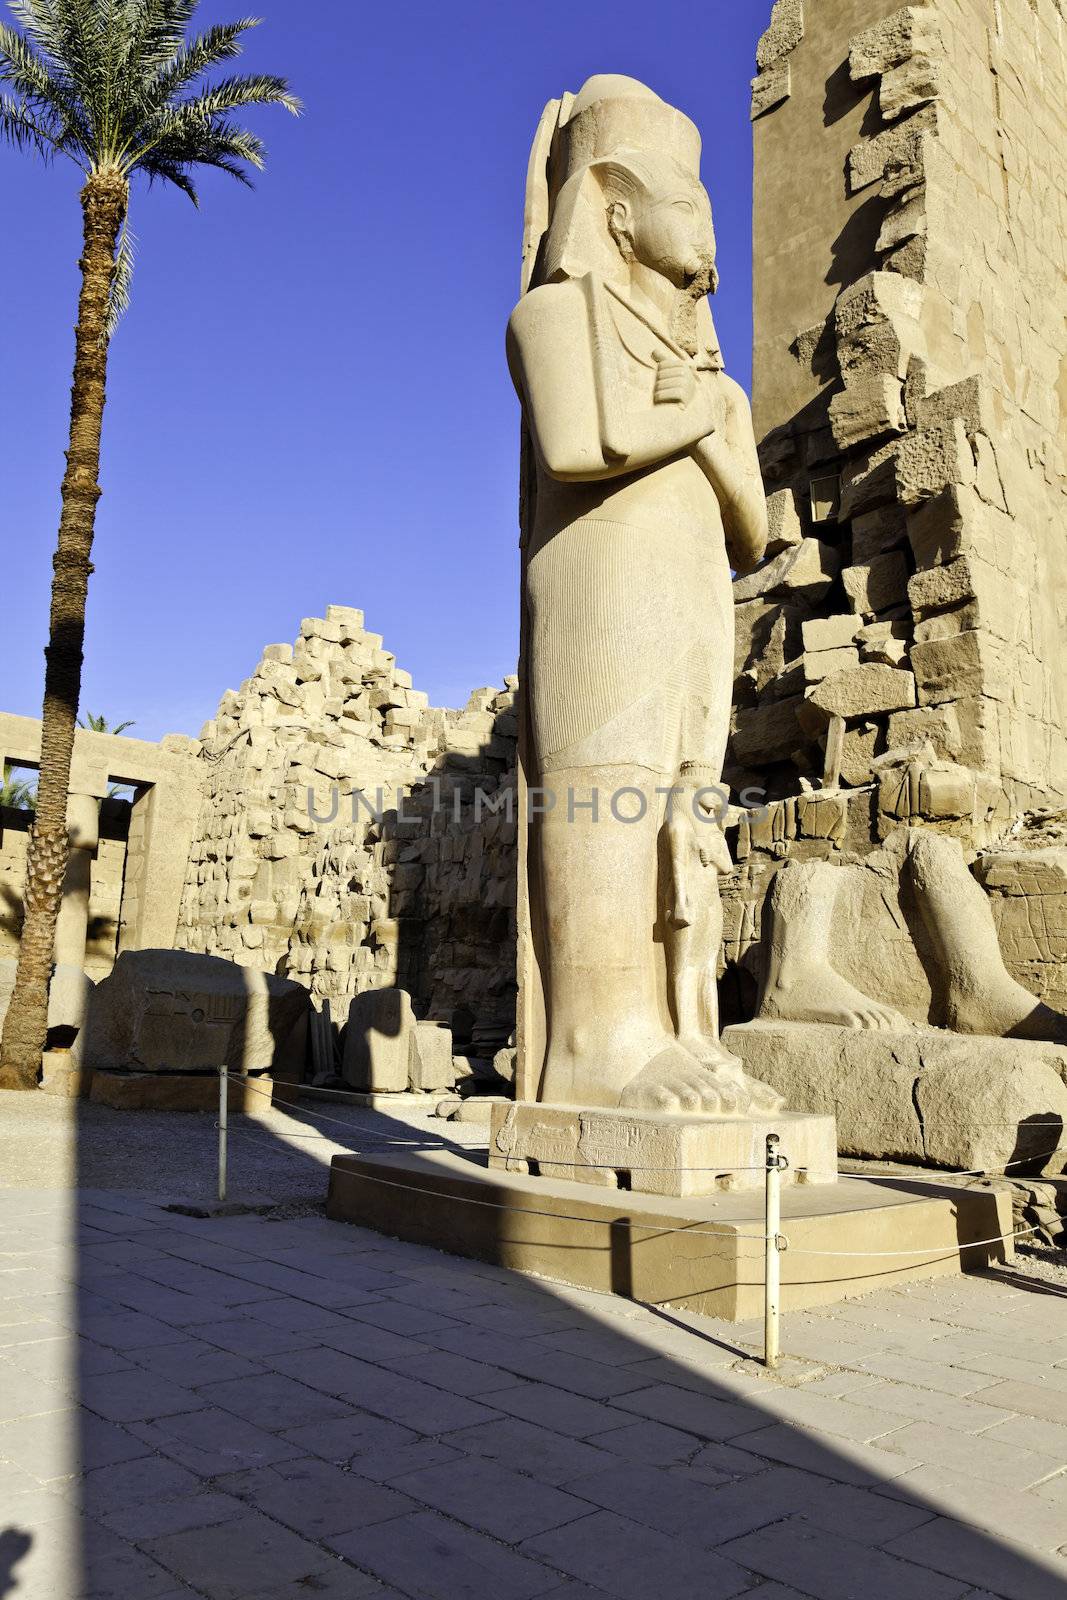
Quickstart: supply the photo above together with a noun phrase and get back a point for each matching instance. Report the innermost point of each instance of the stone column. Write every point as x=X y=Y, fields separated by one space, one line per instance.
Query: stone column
x=70 y=987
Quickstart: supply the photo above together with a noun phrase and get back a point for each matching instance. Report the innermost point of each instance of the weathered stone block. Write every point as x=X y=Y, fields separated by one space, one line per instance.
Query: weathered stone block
x=822 y=816
x=784 y=33
x=828 y=633
x=937 y=724
x=766 y=733
x=770 y=89
x=758 y=638
x=870 y=406
x=946 y=792
x=957 y=522
x=820 y=664
x=379 y=1040
x=869 y=481
x=876 y=532
x=971 y=401
x=857 y=753
x=863 y=692
x=784 y=522
x=966 y=664
x=932 y=460
x=925 y=1095
x=804 y=571
x=431 y=1061
x=877 y=585
x=900 y=150
x=173 y=1011
x=914 y=83
x=657 y=1153
x=911 y=31
x=880 y=299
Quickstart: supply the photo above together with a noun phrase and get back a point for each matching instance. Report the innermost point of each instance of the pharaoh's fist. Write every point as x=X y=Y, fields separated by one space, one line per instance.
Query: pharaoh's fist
x=676 y=381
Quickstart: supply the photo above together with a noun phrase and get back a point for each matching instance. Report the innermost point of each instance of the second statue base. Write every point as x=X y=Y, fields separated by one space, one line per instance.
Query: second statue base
x=658 y=1153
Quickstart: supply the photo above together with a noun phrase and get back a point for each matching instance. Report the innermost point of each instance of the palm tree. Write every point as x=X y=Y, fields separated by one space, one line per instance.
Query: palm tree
x=102 y=725
x=115 y=86
x=17 y=794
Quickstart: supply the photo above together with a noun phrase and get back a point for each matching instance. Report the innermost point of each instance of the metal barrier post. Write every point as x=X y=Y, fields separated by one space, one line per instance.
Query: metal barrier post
x=772 y=1248
x=223 y=1104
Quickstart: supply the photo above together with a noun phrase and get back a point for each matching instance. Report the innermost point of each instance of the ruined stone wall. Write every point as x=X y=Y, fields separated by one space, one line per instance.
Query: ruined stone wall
x=407 y=886
x=910 y=388
x=105 y=899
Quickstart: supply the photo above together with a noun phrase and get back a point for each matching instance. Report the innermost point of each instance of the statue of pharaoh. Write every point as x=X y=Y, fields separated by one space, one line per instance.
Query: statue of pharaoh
x=642 y=488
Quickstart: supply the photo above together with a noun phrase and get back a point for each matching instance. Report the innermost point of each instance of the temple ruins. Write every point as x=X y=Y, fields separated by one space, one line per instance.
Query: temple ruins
x=883 y=900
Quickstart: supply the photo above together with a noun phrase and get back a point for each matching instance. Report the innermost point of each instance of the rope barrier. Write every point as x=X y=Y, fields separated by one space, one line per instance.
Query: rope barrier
x=950 y=1172
x=548 y=1216
x=969 y=1244
x=693 y=1232
x=311 y=1088
x=725 y=1172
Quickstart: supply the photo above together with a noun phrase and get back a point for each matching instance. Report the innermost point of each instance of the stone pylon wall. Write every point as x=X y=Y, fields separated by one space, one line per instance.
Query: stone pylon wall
x=911 y=389
x=413 y=884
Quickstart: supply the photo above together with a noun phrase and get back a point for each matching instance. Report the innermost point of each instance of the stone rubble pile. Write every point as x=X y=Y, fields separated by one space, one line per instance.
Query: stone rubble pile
x=410 y=883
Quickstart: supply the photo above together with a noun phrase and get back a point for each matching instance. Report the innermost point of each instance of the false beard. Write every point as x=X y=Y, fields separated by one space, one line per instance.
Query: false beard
x=702 y=282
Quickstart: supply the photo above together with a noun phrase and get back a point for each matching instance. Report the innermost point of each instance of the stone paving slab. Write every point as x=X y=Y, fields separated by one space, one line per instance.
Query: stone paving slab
x=359 y=1418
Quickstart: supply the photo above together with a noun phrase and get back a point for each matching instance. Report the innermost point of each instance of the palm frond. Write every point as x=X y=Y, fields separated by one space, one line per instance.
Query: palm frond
x=118 y=300
x=158 y=169
x=231 y=94
x=48 y=98
x=184 y=135
x=70 y=36
x=188 y=62
x=100 y=724
x=20 y=128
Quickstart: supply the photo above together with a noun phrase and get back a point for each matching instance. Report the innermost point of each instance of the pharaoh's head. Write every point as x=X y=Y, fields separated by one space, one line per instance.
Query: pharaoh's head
x=616 y=181
x=660 y=217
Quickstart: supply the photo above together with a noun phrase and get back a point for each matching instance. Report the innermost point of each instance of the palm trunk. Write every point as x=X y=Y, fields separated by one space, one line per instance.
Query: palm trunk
x=103 y=201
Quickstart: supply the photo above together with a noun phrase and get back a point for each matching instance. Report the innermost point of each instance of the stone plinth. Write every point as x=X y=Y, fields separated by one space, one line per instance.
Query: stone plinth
x=655 y=1153
x=183 y=1091
x=704 y=1254
x=920 y=1094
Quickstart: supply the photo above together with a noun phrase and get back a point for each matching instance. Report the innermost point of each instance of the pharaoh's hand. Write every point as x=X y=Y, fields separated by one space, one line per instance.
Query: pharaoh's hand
x=676 y=382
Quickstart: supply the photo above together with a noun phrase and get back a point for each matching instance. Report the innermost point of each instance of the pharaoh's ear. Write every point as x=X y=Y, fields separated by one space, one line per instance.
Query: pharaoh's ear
x=620 y=226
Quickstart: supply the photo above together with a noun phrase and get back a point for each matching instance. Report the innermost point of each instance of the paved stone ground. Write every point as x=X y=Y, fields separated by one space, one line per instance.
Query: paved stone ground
x=276 y=1406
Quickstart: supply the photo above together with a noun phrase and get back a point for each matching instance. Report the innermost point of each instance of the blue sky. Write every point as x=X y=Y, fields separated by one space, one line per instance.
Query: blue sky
x=308 y=400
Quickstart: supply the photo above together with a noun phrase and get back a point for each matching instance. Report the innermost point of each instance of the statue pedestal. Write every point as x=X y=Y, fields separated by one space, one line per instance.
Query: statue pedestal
x=658 y=1153
x=701 y=1253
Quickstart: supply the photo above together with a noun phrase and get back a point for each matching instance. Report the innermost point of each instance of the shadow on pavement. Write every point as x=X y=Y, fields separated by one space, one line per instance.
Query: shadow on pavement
x=275 y=1405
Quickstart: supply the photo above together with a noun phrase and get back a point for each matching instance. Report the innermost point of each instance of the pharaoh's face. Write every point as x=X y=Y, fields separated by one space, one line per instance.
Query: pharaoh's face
x=672 y=233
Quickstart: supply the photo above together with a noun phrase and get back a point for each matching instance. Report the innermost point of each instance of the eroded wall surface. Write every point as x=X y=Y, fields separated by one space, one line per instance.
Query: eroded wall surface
x=910 y=387
x=900 y=658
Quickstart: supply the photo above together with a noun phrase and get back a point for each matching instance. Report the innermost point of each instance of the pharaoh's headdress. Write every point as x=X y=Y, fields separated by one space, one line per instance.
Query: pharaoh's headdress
x=613 y=126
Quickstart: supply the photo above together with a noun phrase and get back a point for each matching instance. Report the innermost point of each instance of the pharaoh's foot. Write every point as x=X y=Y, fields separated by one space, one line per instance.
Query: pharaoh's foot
x=730 y=1078
x=674 y=1080
x=1002 y=1008
x=597 y=1062
x=822 y=995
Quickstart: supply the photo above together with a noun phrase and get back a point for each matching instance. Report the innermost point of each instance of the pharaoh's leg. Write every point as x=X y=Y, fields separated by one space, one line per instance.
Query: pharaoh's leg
x=799 y=984
x=607 y=1043
x=693 y=927
x=693 y=923
x=982 y=996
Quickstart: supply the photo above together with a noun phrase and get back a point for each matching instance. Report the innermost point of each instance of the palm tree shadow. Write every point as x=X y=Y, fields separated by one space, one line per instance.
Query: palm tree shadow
x=14 y=1545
